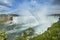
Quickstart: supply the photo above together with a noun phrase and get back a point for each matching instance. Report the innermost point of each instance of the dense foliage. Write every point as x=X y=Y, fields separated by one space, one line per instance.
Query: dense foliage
x=3 y=35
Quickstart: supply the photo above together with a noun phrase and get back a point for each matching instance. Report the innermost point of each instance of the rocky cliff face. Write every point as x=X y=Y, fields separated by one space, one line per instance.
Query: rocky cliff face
x=6 y=18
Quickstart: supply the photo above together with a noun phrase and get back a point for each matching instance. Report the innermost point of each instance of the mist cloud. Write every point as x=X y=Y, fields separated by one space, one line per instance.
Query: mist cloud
x=56 y=2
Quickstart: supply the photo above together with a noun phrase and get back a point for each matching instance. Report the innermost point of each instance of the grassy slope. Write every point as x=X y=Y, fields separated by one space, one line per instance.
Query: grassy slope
x=53 y=33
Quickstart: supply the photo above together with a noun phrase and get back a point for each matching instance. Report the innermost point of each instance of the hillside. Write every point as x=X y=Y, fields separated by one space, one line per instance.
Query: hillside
x=52 y=33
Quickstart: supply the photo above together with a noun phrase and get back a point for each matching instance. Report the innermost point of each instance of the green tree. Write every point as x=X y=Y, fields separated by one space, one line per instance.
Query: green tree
x=2 y=35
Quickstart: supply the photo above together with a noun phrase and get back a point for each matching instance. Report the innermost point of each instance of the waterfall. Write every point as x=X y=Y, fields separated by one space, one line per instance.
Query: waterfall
x=22 y=23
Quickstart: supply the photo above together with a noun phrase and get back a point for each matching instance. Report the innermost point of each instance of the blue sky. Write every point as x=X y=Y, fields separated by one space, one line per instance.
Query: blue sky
x=30 y=5
x=17 y=4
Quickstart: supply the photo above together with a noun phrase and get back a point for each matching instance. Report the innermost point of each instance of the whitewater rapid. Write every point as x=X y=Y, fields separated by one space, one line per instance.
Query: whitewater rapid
x=32 y=22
